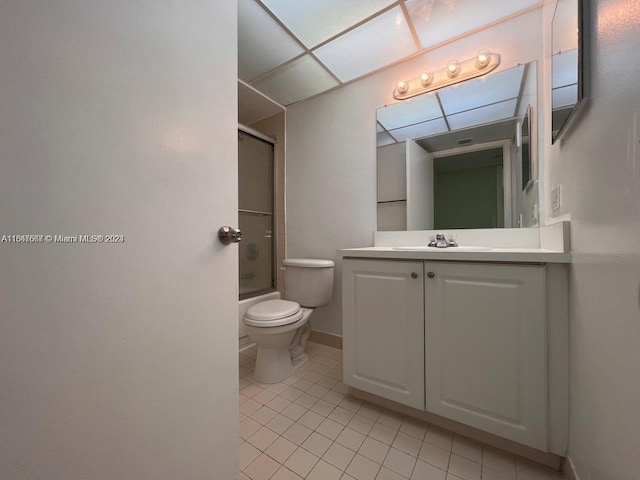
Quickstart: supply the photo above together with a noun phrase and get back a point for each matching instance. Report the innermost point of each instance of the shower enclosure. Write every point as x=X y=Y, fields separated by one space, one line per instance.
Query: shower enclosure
x=256 y=212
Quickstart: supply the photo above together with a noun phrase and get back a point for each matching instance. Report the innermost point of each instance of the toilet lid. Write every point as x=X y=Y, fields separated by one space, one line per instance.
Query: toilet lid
x=273 y=313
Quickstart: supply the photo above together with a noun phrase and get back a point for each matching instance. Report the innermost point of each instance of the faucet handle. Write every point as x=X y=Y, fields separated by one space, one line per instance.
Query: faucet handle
x=451 y=239
x=432 y=240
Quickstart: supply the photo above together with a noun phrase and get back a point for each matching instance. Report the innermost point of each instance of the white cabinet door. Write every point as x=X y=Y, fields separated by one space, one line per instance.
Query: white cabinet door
x=383 y=323
x=486 y=349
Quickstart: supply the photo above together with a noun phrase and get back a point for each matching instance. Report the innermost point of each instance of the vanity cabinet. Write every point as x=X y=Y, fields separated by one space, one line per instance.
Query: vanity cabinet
x=383 y=329
x=485 y=348
x=465 y=341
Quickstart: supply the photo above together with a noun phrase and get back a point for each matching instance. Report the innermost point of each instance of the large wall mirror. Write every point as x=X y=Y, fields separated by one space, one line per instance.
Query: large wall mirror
x=460 y=157
x=567 y=63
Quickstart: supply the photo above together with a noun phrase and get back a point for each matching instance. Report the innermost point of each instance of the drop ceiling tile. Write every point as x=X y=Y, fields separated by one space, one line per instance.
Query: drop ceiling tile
x=313 y=22
x=295 y=81
x=415 y=110
x=420 y=130
x=379 y=128
x=262 y=43
x=565 y=96
x=482 y=115
x=565 y=68
x=436 y=21
x=482 y=91
x=375 y=44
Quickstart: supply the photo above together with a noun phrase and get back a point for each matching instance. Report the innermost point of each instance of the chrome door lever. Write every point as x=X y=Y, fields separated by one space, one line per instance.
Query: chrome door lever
x=228 y=235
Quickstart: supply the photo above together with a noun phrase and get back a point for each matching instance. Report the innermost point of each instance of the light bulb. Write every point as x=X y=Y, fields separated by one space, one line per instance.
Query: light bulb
x=426 y=79
x=482 y=59
x=402 y=87
x=453 y=68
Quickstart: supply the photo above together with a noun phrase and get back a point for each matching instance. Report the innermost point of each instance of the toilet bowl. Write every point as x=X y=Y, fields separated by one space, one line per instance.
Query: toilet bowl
x=280 y=328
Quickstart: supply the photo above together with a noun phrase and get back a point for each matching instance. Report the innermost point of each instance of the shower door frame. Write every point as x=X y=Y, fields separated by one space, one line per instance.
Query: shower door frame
x=274 y=287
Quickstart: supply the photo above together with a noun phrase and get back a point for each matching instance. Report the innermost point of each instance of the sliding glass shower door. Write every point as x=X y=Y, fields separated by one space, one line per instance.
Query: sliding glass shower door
x=256 y=214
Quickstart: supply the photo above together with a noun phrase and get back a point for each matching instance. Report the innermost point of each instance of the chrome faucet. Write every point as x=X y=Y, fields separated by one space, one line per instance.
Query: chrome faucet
x=440 y=241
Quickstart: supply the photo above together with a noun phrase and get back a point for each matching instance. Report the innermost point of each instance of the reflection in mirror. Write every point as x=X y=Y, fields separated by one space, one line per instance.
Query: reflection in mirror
x=450 y=159
x=469 y=188
x=525 y=157
x=566 y=64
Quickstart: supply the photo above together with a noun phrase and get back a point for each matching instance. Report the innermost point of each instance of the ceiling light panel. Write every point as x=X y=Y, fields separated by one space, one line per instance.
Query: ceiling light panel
x=565 y=96
x=424 y=129
x=262 y=43
x=418 y=109
x=482 y=91
x=373 y=45
x=565 y=68
x=314 y=22
x=299 y=79
x=480 y=116
x=437 y=21
x=563 y=35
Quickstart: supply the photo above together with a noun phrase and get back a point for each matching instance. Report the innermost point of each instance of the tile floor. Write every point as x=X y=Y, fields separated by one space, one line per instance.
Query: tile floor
x=308 y=427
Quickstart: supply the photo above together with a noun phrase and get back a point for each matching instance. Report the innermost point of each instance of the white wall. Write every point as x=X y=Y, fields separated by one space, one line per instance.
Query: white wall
x=116 y=361
x=598 y=164
x=331 y=151
x=392 y=186
x=420 y=178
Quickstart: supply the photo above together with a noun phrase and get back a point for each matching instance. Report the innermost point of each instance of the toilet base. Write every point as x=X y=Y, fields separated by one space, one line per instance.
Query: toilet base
x=299 y=362
x=273 y=365
x=280 y=349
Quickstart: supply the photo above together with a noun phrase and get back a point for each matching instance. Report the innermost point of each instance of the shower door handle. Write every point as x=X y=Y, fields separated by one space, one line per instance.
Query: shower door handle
x=228 y=235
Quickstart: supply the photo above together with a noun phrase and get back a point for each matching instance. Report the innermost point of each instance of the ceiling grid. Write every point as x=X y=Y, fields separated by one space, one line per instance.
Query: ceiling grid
x=291 y=51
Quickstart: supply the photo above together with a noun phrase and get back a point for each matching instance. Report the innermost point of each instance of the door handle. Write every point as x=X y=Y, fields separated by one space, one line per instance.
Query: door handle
x=228 y=235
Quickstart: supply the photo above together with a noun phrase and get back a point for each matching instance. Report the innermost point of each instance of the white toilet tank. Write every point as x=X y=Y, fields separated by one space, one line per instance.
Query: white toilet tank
x=308 y=281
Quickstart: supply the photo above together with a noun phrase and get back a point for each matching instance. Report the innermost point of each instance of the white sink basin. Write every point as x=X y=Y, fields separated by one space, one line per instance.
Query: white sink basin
x=424 y=248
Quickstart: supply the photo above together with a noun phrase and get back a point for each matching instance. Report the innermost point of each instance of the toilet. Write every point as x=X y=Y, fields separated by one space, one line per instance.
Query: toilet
x=280 y=328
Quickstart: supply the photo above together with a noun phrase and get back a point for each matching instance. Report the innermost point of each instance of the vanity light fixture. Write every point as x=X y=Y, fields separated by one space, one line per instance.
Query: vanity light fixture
x=402 y=87
x=455 y=72
x=483 y=59
x=453 y=69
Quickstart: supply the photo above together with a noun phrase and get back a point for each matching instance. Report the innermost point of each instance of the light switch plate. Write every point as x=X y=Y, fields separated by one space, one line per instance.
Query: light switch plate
x=556 y=197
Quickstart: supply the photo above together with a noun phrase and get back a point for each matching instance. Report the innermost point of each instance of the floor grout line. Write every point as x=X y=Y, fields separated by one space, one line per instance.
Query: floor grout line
x=320 y=360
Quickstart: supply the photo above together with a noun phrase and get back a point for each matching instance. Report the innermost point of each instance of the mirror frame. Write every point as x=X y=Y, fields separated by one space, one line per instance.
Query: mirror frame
x=583 y=68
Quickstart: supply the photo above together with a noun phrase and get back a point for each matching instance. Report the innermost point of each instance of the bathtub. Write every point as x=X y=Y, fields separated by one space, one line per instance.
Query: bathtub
x=243 y=338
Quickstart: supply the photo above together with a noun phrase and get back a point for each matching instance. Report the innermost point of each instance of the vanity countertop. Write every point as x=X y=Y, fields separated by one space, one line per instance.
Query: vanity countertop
x=514 y=255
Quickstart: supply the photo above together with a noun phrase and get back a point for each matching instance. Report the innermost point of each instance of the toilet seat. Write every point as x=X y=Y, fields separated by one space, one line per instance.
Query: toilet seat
x=273 y=313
